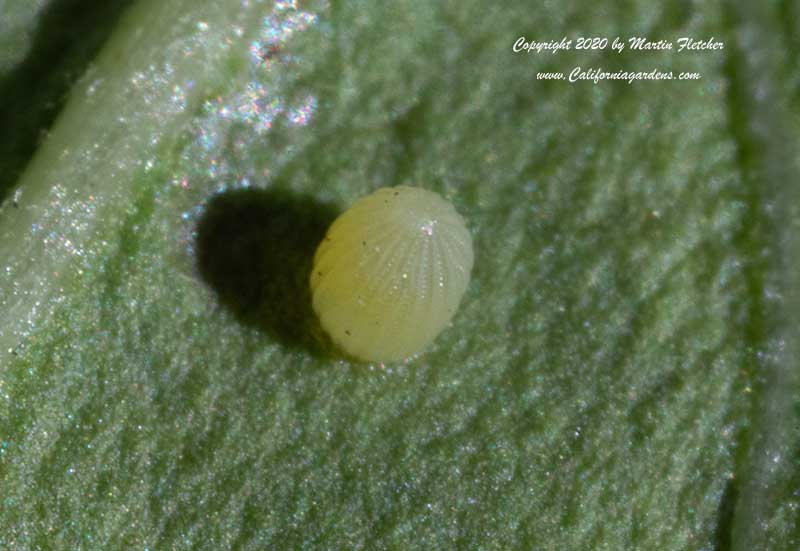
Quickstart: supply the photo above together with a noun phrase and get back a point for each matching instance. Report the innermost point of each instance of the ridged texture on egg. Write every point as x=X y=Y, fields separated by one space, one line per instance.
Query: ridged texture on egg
x=391 y=272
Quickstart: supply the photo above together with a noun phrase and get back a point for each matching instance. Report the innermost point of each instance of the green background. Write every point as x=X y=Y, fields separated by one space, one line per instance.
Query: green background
x=622 y=373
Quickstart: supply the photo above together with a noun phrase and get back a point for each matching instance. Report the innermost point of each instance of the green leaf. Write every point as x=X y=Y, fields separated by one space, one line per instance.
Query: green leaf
x=622 y=373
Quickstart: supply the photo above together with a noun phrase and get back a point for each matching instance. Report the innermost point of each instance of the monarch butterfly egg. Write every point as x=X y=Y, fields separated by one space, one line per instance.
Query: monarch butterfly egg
x=390 y=273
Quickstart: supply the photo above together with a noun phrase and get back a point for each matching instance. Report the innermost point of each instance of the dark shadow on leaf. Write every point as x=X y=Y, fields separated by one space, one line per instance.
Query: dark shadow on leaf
x=725 y=511
x=68 y=35
x=255 y=248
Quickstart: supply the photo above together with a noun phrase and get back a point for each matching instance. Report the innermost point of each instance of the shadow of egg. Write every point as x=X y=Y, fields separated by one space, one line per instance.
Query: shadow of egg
x=255 y=249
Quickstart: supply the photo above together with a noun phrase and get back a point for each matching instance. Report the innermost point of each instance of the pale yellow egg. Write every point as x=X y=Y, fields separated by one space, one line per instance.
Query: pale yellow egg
x=390 y=273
